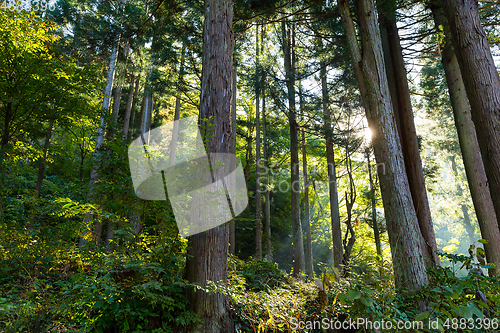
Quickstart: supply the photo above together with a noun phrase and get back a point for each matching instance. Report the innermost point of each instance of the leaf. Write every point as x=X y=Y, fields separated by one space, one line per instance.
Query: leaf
x=422 y=316
x=98 y=304
x=353 y=294
x=484 y=241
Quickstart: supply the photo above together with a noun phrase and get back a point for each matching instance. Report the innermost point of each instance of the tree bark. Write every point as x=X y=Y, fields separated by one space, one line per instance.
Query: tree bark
x=332 y=176
x=133 y=111
x=258 y=201
x=298 y=242
x=43 y=161
x=401 y=101
x=482 y=84
x=469 y=146
x=234 y=83
x=307 y=219
x=402 y=222
x=267 y=207
x=128 y=109
x=207 y=251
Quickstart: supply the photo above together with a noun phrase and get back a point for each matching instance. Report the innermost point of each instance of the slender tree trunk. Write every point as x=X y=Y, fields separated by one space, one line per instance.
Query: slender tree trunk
x=128 y=109
x=43 y=161
x=402 y=222
x=469 y=146
x=332 y=177
x=258 y=201
x=376 y=232
x=208 y=251
x=298 y=243
x=133 y=109
x=101 y=133
x=307 y=219
x=267 y=207
x=234 y=83
x=401 y=101
x=5 y=134
x=468 y=226
x=482 y=83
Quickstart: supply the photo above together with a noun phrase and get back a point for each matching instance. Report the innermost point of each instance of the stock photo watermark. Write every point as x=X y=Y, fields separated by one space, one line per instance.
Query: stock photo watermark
x=28 y=5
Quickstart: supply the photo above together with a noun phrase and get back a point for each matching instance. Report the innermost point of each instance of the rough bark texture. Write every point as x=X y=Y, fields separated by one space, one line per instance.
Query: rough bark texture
x=400 y=95
x=258 y=202
x=43 y=161
x=332 y=176
x=207 y=251
x=298 y=242
x=482 y=84
x=128 y=109
x=471 y=154
x=402 y=223
x=234 y=82
x=133 y=111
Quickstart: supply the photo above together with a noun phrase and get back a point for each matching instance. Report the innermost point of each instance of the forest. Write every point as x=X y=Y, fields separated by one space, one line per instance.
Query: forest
x=230 y=166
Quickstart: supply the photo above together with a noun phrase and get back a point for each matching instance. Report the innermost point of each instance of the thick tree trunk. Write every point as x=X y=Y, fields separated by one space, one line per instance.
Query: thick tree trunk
x=43 y=161
x=307 y=219
x=401 y=101
x=482 y=84
x=332 y=177
x=298 y=242
x=207 y=251
x=404 y=233
x=258 y=201
x=471 y=154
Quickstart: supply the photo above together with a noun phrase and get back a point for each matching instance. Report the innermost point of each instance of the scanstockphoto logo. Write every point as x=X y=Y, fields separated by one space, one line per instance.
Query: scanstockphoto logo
x=205 y=190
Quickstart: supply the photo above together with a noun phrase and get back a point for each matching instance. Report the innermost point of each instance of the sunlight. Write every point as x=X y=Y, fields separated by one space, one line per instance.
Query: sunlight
x=368 y=134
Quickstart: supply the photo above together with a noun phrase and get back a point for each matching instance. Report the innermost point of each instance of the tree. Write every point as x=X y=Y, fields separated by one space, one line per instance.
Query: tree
x=207 y=251
x=287 y=35
x=402 y=223
x=482 y=84
x=471 y=154
x=401 y=102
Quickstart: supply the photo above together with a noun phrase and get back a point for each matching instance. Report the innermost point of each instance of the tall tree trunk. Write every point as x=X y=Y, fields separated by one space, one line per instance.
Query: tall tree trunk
x=267 y=207
x=43 y=161
x=207 y=251
x=298 y=242
x=101 y=133
x=402 y=222
x=258 y=201
x=307 y=219
x=133 y=109
x=376 y=232
x=128 y=108
x=474 y=168
x=234 y=83
x=332 y=177
x=482 y=84
x=401 y=101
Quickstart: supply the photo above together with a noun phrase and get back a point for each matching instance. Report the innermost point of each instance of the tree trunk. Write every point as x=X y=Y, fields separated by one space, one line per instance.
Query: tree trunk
x=128 y=108
x=402 y=222
x=307 y=219
x=298 y=243
x=234 y=83
x=376 y=232
x=401 y=101
x=43 y=161
x=258 y=201
x=207 y=251
x=133 y=111
x=101 y=133
x=471 y=154
x=482 y=84
x=468 y=226
x=332 y=177
x=267 y=207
